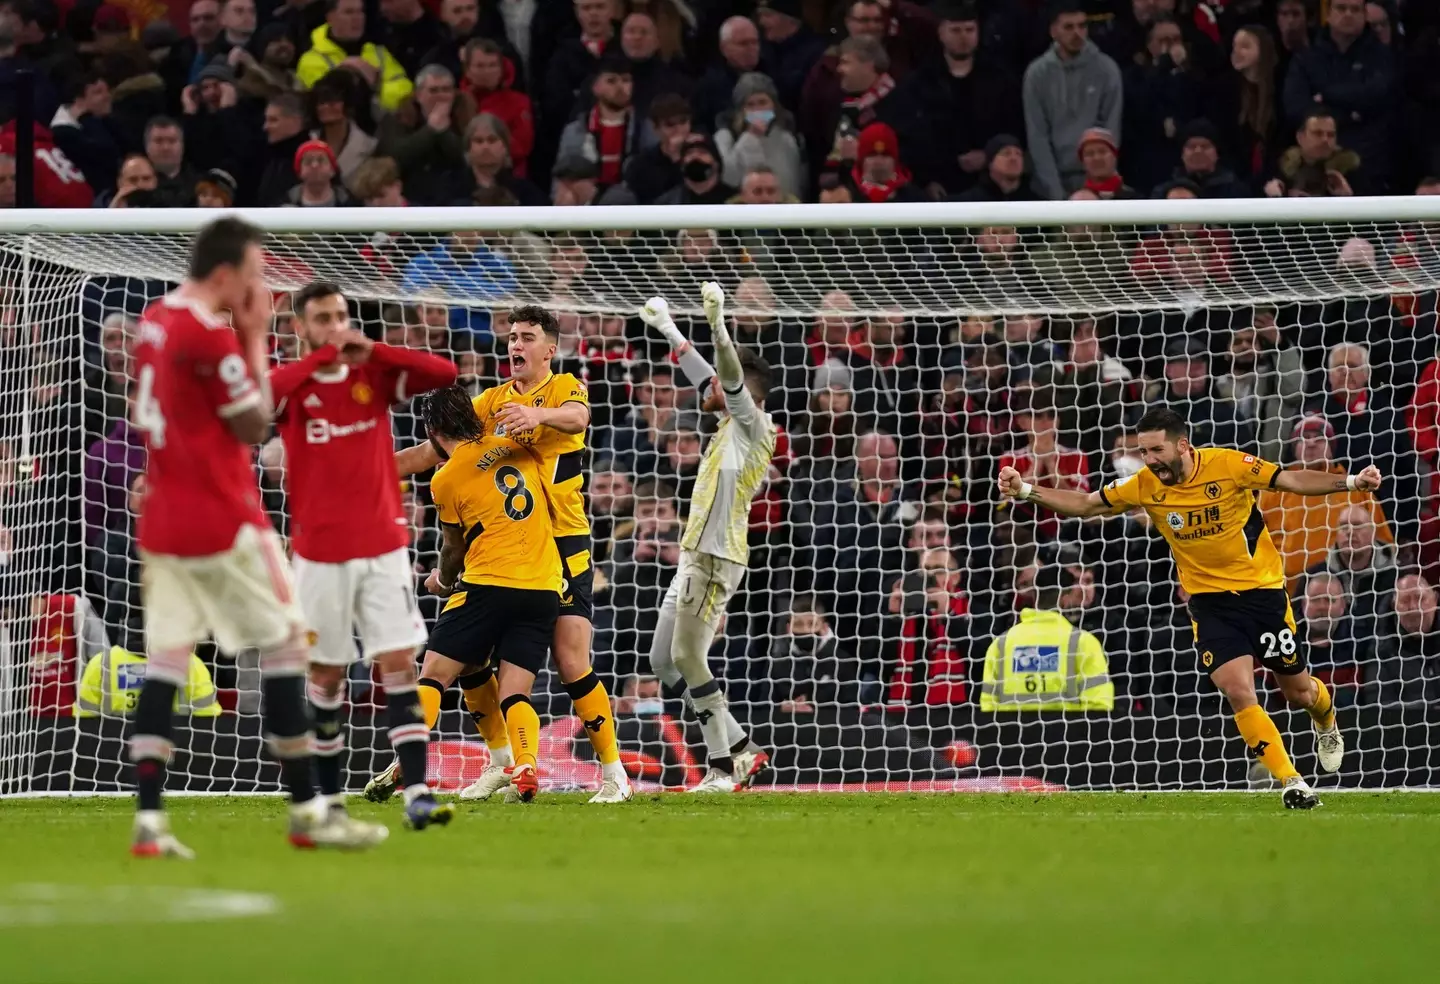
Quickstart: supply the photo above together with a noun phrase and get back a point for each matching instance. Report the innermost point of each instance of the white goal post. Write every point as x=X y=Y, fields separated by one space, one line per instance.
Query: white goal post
x=913 y=348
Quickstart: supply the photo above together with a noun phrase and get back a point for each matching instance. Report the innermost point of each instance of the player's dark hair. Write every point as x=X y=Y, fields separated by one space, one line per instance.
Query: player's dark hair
x=312 y=291
x=449 y=414
x=222 y=243
x=1163 y=419
x=755 y=368
x=534 y=314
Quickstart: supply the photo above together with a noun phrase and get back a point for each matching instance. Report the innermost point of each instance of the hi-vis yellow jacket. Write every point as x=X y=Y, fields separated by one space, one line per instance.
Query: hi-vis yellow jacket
x=112 y=681
x=391 y=86
x=1045 y=663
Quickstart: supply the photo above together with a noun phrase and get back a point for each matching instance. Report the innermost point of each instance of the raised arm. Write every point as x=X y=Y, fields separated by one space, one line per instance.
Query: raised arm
x=1063 y=501
x=738 y=401
x=415 y=371
x=415 y=459
x=1305 y=482
x=285 y=378
x=656 y=314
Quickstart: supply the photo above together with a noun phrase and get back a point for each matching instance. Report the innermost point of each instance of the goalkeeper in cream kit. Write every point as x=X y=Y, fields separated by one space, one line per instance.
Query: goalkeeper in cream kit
x=715 y=549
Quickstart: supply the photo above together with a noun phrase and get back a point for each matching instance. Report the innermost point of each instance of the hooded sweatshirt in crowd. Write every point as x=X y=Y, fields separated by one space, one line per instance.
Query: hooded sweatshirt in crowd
x=1062 y=100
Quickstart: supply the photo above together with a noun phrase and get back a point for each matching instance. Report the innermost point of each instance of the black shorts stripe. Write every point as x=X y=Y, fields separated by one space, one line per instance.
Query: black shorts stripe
x=569 y=465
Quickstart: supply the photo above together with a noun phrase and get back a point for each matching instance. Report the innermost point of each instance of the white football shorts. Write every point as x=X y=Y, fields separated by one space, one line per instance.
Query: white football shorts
x=244 y=596
x=373 y=597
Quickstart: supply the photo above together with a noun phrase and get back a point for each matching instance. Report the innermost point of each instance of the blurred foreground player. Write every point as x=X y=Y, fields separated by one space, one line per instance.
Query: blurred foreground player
x=1203 y=502
x=547 y=413
x=352 y=558
x=212 y=564
x=499 y=568
x=715 y=547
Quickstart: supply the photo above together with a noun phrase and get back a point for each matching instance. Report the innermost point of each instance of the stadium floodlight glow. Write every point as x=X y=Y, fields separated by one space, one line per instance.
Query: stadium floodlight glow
x=1096 y=304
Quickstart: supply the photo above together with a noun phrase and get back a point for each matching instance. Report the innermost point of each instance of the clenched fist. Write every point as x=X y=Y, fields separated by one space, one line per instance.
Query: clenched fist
x=1010 y=482
x=712 y=295
x=1369 y=479
x=656 y=312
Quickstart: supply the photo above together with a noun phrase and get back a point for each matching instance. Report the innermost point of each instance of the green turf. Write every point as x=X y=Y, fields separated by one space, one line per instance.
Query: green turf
x=879 y=888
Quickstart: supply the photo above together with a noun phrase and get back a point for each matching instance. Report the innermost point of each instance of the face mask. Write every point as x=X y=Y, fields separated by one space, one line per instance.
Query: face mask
x=698 y=171
x=649 y=707
x=760 y=117
x=804 y=643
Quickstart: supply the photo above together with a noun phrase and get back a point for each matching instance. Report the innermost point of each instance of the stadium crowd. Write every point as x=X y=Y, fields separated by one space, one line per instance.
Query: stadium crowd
x=883 y=564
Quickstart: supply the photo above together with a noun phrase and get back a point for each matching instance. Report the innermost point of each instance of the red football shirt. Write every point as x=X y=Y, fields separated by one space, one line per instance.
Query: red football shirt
x=343 y=490
x=191 y=377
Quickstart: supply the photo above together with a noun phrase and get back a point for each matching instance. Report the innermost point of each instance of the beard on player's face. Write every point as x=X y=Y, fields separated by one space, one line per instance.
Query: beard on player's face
x=1168 y=470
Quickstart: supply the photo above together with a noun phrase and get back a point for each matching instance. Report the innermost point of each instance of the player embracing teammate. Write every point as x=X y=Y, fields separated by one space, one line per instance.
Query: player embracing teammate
x=212 y=564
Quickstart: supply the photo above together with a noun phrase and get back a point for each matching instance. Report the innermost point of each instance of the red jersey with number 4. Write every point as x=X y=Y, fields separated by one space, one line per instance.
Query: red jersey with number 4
x=343 y=490
x=192 y=377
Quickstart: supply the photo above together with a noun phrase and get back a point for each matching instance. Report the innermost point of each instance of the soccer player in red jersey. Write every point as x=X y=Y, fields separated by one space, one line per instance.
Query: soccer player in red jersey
x=212 y=564
x=352 y=562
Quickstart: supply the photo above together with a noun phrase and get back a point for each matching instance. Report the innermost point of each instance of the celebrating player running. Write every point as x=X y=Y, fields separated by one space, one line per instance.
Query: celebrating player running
x=212 y=562
x=715 y=547
x=352 y=562
x=1203 y=502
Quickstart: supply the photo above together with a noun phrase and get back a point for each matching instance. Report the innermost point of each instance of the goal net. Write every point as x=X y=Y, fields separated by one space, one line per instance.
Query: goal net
x=914 y=351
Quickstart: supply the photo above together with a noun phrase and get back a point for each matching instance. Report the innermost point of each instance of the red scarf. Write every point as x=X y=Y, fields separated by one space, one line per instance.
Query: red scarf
x=610 y=141
x=1108 y=188
x=865 y=103
x=927 y=637
x=881 y=192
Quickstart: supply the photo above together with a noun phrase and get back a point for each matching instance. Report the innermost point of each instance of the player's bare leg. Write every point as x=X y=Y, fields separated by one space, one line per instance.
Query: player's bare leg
x=150 y=750
x=1304 y=690
x=436 y=673
x=1236 y=680
x=592 y=703
x=409 y=737
x=523 y=724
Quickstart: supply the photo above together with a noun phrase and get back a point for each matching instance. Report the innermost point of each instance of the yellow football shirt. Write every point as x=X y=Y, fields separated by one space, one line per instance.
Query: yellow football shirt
x=1211 y=521
x=562 y=456
x=491 y=489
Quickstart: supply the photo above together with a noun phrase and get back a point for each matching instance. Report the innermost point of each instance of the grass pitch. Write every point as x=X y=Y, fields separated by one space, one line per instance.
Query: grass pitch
x=878 y=888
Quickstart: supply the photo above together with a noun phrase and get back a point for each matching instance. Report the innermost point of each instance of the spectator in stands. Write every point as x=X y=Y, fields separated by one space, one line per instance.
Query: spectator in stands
x=1369 y=430
x=111 y=465
x=340 y=43
x=1302 y=528
x=700 y=182
x=36 y=30
x=885 y=378
x=216 y=128
x=612 y=499
x=759 y=132
x=332 y=101
x=1004 y=178
x=215 y=188
x=573 y=182
x=1189 y=256
x=1188 y=392
x=755 y=325
x=468 y=269
x=135 y=183
x=1264 y=385
x=86 y=133
x=1199 y=142
x=1316 y=151
x=679 y=459
x=189 y=54
x=1099 y=155
x=833 y=111
x=1293 y=30
x=1092 y=392
x=1349 y=70
x=1162 y=94
x=650 y=71
x=610 y=133
x=319 y=175
x=577 y=60
x=165 y=148
x=460 y=24
x=810 y=670
x=237 y=27
x=978 y=94
x=487 y=152
x=408 y=31
x=1327 y=635
x=426 y=136
x=1070 y=90
x=1245 y=105
x=266 y=67
x=878 y=172
x=739 y=54
x=284 y=128
x=656 y=169
x=1042 y=460
x=1409 y=655
x=490 y=80
x=789 y=50
x=638 y=434
x=1365 y=566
